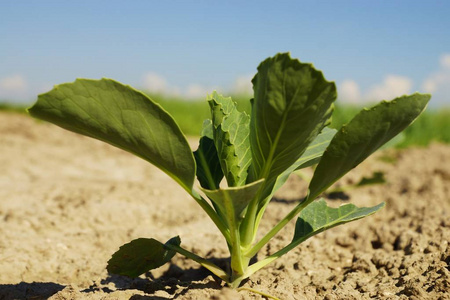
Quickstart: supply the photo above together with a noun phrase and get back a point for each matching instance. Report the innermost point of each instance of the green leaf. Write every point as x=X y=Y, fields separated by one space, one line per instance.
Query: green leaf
x=231 y=130
x=209 y=172
x=234 y=200
x=121 y=116
x=292 y=103
x=397 y=140
x=310 y=157
x=140 y=256
x=365 y=133
x=315 y=150
x=315 y=218
x=318 y=217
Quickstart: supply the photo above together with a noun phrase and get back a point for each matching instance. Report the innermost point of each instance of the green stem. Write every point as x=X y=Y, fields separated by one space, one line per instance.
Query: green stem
x=254 y=250
x=261 y=264
x=247 y=226
x=249 y=230
x=204 y=262
x=250 y=224
x=237 y=264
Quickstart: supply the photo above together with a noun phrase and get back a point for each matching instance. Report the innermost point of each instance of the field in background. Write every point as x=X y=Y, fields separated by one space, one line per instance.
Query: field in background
x=432 y=125
x=5 y=106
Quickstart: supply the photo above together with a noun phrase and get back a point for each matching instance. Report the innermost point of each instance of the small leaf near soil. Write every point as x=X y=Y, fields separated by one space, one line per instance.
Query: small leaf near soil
x=140 y=255
x=318 y=217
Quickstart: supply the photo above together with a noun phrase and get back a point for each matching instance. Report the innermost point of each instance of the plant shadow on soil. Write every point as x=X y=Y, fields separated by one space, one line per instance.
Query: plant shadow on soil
x=342 y=196
x=175 y=281
x=33 y=290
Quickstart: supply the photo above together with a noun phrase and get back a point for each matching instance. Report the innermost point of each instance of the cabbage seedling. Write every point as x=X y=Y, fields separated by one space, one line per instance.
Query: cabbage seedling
x=255 y=154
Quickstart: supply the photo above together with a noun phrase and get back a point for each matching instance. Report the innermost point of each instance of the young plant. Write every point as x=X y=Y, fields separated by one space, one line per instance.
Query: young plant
x=286 y=131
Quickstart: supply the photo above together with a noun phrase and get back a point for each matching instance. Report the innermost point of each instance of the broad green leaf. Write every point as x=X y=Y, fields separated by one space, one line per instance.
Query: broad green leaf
x=318 y=217
x=234 y=200
x=398 y=139
x=310 y=157
x=121 y=116
x=231 y=130
x=140 y=256
x=292 y=103
x=315 y=150
x=209 y=172
x=365 y=133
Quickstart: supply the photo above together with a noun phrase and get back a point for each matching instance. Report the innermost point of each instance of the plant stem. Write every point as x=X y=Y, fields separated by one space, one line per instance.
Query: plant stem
x=204 y=262
x=261 y=264
x=248 y=228
x=254 y=250
x=247 y=225
x=237 y=264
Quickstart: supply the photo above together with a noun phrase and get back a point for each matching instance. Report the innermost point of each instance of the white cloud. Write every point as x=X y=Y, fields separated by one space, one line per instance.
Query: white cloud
x=243 y=85
x=445 y=61
x=391 y=87
x=197 y=91
x=13 y=87
x=348 y=91
x=13 y=83
x=430 y=85
x=438 y=83
x=154 y=83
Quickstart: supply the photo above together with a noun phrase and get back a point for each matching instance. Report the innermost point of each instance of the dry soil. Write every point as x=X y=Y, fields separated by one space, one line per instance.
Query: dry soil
x=68 y=202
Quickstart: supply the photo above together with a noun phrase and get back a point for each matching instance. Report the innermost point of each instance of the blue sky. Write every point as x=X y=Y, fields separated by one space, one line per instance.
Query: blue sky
x=373 y=49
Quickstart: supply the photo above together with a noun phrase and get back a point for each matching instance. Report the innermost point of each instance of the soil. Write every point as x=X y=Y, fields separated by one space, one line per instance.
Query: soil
x=68 y=202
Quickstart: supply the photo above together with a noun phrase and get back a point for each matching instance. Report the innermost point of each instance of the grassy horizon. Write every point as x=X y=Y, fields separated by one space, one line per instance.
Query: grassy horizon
x=433 y=125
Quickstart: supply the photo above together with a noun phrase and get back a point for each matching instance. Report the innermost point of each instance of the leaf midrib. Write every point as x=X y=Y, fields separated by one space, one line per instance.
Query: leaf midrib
x=269 y=162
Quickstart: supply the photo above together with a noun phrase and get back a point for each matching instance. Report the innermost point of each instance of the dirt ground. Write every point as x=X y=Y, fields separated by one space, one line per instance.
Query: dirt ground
x=68 y=202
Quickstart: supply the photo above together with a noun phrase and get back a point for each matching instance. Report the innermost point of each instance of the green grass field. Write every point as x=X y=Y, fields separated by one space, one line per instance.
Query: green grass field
x=432 y=125
x=5 y=106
